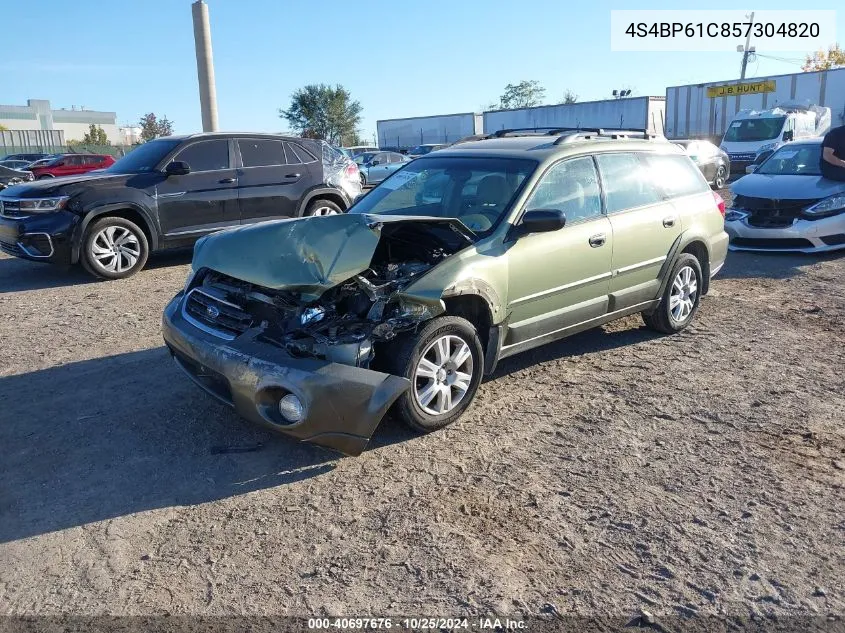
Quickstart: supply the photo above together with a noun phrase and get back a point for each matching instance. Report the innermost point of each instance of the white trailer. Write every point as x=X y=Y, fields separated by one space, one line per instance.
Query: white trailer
x=631 y=112
x=705 y=110
x=423 y=130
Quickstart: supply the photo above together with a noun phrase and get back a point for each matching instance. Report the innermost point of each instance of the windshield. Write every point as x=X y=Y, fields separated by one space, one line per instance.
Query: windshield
x=793 y=160
x=477 y=191
x=747 y=130
x=144 y=157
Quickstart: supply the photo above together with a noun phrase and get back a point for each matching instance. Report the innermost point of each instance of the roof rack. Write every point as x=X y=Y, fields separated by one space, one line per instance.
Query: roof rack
x=527 y=131
x=611 y=133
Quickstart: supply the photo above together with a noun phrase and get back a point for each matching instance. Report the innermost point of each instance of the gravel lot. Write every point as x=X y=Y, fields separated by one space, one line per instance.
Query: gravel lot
x=612 y=472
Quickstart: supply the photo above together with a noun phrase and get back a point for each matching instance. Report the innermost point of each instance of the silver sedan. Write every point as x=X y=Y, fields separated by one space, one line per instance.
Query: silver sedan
x=376 y=166
x=786 y=205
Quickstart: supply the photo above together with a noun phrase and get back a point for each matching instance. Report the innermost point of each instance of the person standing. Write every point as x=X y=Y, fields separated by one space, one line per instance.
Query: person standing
x=832 y=162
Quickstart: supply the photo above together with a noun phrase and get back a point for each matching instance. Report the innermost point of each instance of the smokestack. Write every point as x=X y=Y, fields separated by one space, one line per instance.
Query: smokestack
x=205 y=66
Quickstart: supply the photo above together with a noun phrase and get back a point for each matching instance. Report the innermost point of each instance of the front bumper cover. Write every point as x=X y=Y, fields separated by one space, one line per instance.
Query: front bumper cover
x=802 y=236
x=343 y=405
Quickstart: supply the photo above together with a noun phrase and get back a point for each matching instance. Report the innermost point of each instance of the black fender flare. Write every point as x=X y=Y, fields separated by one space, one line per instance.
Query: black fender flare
x=105 y=209
x=321 y=191
x=677 y=248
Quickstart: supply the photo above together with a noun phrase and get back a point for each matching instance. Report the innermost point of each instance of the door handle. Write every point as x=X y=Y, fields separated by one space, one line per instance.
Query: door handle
x=669 y=222
x=598 y=240
x=292 y=175
x=227 y=181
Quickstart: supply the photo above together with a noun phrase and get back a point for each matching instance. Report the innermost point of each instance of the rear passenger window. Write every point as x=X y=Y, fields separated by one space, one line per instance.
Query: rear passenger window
x=290 y=155
x=570 y=186
x=301 y=153
x=397 y=158
x=206 y=155
x=261 y=153
x=676 y=175
x=627 y=182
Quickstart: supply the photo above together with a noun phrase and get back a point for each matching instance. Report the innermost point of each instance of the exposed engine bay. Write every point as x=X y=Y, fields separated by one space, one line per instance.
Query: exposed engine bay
x=347 y=322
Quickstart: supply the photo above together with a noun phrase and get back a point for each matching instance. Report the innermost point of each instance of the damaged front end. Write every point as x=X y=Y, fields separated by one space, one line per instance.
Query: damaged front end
x=322 y=302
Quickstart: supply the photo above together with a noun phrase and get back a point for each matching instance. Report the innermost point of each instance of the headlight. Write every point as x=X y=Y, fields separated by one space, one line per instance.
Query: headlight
x=42 y=205
x=735 y=214
x=828 y=205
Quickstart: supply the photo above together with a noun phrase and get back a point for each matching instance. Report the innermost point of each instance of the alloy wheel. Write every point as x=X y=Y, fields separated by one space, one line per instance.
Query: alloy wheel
x=719 y=181
x=324 y=211
x=684 y=293
x=443 y=374
x=116 y=249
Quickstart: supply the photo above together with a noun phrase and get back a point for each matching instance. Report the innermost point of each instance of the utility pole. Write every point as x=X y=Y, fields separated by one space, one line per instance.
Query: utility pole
x=747 y=50
x=205 y=66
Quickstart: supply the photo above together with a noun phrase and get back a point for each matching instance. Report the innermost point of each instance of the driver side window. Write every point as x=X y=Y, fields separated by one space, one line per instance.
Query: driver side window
x=570 y=186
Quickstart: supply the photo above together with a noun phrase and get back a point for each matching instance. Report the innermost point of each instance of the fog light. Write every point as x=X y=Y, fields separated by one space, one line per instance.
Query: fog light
x=291 y=408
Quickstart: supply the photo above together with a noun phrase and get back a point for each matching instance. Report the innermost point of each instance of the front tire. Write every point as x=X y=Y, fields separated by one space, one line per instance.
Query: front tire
x=321 y=207
x=681 y=298
x=444 y=362
x=363 y=180
x=114 y=248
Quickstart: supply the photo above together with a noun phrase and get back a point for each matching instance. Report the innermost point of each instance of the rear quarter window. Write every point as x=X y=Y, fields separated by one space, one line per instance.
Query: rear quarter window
x=676 y=175
x=627 y=182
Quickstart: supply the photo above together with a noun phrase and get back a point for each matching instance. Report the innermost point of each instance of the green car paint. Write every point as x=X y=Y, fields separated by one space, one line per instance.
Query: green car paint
x=520 y=288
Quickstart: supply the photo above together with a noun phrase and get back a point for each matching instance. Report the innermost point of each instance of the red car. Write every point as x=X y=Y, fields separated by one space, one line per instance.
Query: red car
x=72 y=164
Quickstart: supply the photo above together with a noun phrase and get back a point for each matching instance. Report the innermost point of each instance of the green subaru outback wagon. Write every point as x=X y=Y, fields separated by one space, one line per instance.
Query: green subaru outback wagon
x=316 y=327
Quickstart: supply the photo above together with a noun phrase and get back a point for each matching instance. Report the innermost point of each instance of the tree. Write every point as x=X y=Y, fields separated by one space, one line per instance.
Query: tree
x=833 y=57
x=325 y=112
x=95 y=136
x=525 y=94
x=152 y=127
x=3 y=128
x=569 y=97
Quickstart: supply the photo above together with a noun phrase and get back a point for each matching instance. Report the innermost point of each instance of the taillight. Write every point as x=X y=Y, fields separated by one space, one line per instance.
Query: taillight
x=719 y=203
x=352 y=170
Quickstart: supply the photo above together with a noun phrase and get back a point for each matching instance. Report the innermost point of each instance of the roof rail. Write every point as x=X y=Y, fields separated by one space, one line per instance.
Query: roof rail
x=549 y=131
x=611 y=133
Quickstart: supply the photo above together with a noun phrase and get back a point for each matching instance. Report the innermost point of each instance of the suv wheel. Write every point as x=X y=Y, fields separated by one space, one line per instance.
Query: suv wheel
x=114 y=248
x=444 y=362
x=322 y=207
x=680 y=299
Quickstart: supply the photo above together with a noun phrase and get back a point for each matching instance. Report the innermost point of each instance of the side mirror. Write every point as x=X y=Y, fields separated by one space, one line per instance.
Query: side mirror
x=61 y=163
x=542 y=221
x=751 y=168
x=375 y=162
x=788 y=135
x=177 y=168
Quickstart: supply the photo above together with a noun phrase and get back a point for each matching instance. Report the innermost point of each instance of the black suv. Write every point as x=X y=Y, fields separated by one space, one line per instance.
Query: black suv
x=168 y=193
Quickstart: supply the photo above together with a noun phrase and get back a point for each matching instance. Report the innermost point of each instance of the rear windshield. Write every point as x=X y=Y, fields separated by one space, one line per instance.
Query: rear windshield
x=477 y=191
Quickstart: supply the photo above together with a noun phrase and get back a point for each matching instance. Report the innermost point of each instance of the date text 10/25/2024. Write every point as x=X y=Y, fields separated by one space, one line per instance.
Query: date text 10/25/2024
x=418 y=624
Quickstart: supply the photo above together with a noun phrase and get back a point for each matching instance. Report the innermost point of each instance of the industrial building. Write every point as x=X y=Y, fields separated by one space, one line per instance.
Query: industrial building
x=37 y=114
x=705 y=110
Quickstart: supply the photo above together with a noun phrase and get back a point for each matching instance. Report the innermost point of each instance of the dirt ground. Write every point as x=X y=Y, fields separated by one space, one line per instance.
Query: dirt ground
x=616 y=471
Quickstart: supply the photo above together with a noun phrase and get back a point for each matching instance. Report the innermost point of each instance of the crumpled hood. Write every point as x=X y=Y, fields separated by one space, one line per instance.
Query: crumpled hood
x=786 y=187
x=304 y=255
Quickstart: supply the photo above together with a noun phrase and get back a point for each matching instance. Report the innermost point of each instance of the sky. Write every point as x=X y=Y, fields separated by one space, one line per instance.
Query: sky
x=397 y=58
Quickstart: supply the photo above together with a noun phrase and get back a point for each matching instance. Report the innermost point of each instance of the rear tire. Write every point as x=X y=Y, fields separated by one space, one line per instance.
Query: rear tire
x=320 y=207
x=444 y=362
x=45 y=176
x=681 y=298
x=114 y=248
